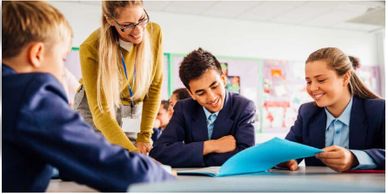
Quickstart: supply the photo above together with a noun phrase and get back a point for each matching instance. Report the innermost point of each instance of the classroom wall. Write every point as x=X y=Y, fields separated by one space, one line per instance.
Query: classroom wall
x=236 y=38
x=227 y=37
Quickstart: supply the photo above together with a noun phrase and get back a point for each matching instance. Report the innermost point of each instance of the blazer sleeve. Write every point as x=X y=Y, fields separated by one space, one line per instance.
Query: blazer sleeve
x=55 y=133
x=244 y=135
x=378 y=154
x=171 y=149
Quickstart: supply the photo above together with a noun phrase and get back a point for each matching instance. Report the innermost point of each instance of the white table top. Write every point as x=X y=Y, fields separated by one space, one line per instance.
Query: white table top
x=306 y=179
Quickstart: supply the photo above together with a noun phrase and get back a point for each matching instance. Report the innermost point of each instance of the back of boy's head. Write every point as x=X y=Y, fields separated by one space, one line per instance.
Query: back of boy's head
x=25 y=22
x=355 y=62
x=195 y=64
x=165 y=104
x=181 y=93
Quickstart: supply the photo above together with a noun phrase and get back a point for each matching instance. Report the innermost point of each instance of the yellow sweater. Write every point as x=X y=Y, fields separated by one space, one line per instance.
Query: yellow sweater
x=151 y=101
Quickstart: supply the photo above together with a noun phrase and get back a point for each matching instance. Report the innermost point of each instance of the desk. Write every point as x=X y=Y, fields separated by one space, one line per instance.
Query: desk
x=57 y=185
x=306 y=179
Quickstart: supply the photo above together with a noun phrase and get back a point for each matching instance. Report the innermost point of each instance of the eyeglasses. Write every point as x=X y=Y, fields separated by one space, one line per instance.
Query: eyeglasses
x=132 y=26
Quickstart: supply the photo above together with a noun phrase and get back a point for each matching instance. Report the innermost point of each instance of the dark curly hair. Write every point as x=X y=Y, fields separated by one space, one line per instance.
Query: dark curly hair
x=197 y=63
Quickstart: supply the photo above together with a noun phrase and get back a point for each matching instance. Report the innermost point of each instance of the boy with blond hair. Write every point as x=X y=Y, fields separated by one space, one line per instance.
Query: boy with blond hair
x=40 y=131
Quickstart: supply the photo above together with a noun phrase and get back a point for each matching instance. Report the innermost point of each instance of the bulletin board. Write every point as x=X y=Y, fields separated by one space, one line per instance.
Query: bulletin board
x=283 y=92
x=371 y=77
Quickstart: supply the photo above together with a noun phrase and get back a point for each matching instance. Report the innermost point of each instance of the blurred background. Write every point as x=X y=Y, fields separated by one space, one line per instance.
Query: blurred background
x=261 y=44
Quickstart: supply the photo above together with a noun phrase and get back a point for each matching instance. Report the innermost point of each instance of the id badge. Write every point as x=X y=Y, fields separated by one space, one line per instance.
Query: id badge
x=131 y=117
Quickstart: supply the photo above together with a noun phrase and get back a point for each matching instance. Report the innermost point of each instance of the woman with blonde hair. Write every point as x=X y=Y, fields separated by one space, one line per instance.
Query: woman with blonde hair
x=121 y=65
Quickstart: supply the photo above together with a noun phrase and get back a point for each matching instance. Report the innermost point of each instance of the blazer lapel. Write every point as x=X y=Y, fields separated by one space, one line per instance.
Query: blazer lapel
x=357 y=126
x=223 y=122
x=199 y=124
x=317 y=129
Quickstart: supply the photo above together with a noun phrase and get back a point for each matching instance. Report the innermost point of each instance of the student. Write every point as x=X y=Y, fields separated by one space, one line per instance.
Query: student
x=178 y=94
x=346 y=119
x=121 y=64
x=212 y=126
x=161 y=121
x=164 y=115
x=39 y=130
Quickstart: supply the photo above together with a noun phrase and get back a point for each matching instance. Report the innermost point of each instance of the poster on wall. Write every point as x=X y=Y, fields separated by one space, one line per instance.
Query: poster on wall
x=233 y=84
x=371 y=78
x=224 y=67
x=283 y=92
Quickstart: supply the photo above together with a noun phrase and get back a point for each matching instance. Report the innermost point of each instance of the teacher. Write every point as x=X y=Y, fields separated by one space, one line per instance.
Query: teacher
x=121 y=64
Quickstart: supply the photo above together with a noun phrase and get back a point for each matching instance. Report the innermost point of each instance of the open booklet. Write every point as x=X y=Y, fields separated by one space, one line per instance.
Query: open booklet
x=257 y=159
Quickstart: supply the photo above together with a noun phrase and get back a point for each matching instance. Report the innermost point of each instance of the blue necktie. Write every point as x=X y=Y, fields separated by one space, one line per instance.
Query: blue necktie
x=210 y=124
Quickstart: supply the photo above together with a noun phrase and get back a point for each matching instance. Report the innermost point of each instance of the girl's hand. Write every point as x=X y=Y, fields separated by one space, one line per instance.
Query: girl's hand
x=337 y=158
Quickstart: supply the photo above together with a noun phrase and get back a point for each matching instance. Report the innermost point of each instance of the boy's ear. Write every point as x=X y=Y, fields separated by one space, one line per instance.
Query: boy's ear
x=224 y=79
x=35 y=54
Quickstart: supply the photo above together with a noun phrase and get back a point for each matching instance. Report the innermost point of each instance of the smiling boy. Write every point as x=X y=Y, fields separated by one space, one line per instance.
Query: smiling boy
x=213 y=125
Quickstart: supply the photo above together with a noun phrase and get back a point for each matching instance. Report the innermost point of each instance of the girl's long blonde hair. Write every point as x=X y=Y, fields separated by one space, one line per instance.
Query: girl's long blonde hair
x=110 y=76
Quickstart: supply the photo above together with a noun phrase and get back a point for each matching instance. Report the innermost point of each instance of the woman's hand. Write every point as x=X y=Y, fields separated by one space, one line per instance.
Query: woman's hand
x=337 y=158
x=144 y=148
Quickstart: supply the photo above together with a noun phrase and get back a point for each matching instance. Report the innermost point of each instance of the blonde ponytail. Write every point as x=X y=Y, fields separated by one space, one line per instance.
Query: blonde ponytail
x=358 y=88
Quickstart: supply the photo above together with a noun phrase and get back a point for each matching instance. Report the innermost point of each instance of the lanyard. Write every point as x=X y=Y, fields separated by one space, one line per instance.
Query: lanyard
x=126 y=76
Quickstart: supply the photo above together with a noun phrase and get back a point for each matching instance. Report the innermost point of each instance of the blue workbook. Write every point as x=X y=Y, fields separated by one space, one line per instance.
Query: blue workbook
x=258 y=159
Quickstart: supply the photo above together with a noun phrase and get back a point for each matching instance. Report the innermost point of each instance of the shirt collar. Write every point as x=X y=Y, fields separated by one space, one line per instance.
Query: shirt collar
x=344 y=117
x=207 y=113
x=125 y=45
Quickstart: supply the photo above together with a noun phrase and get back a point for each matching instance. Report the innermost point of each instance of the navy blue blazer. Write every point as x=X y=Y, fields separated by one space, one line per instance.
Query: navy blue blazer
x=366 y=129
x=181 y=143
x=156 y=134
x=40 y=131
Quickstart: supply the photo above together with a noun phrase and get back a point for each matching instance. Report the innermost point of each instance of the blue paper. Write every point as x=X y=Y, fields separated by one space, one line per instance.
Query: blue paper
x=264 y=156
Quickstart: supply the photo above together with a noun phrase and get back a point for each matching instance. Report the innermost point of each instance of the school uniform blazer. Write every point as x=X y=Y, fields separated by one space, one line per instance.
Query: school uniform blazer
x=366 y=129
x=156 y=134
x=181 y=143
x=40 y=131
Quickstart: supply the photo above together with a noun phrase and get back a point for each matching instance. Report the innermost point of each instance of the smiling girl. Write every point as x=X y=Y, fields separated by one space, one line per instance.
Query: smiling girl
x=346 y=119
